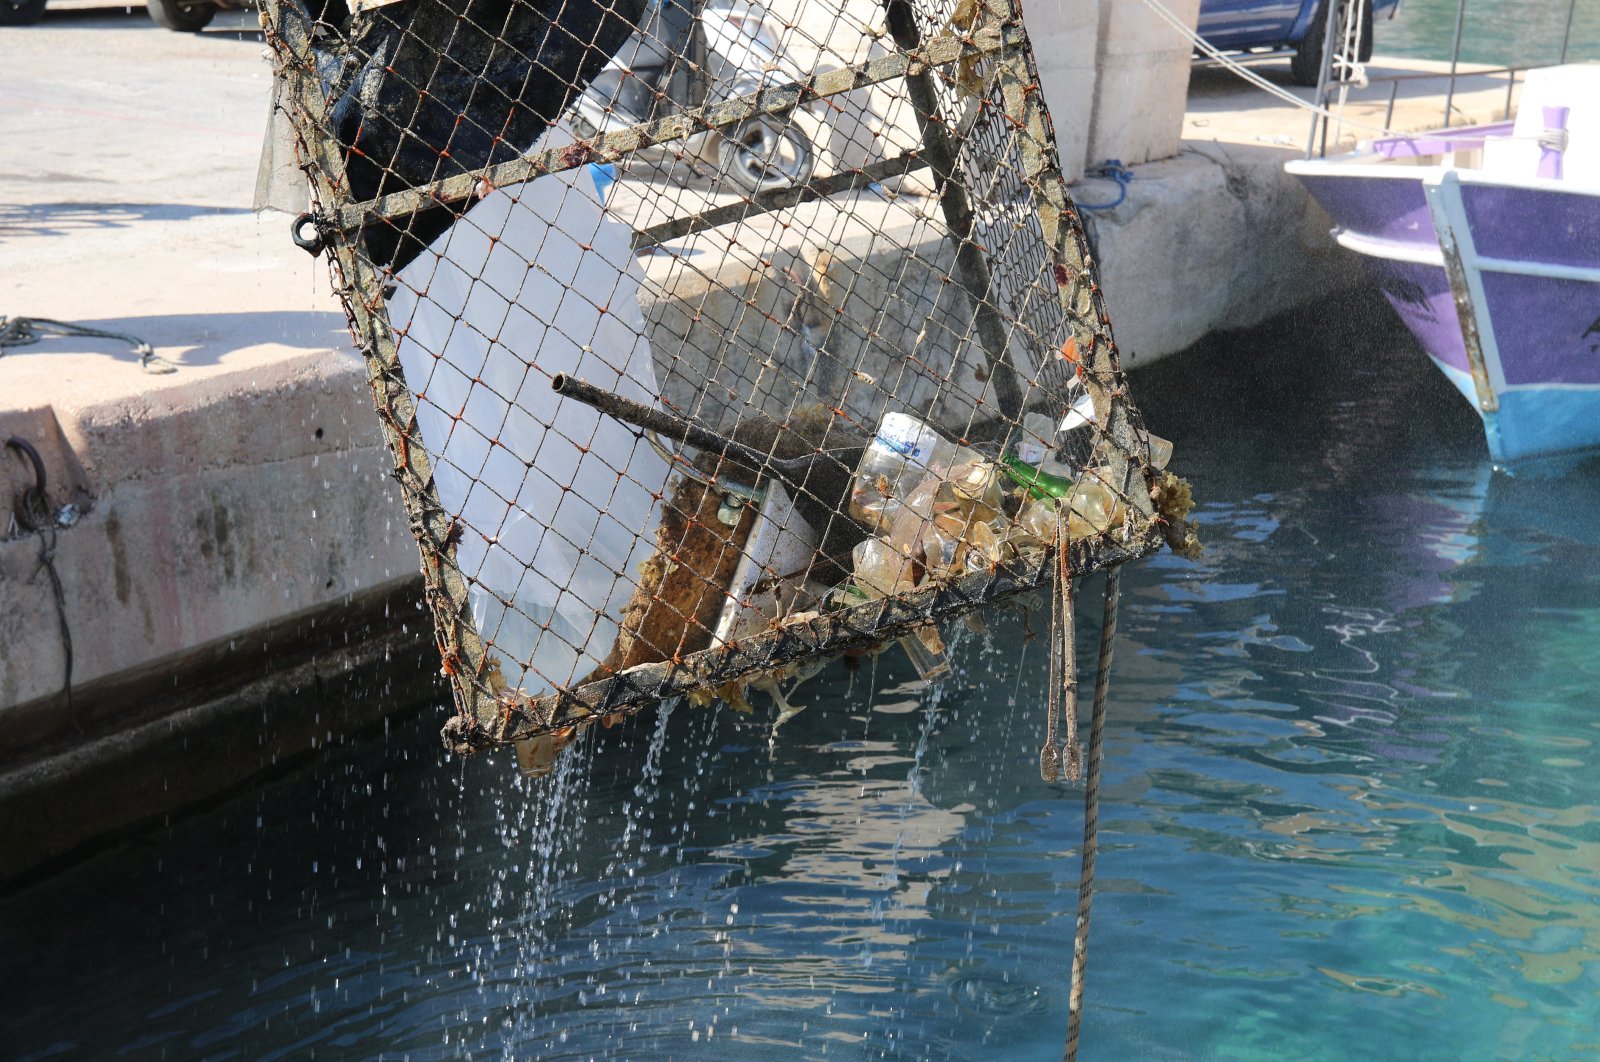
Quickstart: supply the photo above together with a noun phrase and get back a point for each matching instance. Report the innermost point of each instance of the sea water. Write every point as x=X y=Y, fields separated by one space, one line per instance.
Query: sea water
x=1351 y=810
x=1492 y=32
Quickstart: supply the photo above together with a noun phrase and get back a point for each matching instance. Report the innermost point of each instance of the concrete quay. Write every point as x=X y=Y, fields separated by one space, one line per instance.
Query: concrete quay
x=240 y=585
x=239 y=580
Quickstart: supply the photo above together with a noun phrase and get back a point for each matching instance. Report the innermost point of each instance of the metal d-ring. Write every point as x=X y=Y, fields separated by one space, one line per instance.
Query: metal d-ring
x=314 y=244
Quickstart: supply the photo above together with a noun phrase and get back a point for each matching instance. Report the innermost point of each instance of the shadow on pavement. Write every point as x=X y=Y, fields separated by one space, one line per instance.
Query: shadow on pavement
x=230 y=24
x=66 y=219
x=191 y=340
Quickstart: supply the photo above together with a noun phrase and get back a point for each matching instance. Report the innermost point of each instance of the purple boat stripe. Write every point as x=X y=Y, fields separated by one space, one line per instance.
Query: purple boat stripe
x=1387 y=208
x=1532 y=224
x=1545 y=328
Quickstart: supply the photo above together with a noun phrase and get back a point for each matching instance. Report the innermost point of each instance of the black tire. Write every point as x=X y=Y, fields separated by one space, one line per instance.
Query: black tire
x=760 y=154
x=21 y=12
x=1306 y=65
x=182 y=16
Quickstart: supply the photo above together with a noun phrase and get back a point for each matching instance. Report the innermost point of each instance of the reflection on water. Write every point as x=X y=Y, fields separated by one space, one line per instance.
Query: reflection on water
x=1351 y=809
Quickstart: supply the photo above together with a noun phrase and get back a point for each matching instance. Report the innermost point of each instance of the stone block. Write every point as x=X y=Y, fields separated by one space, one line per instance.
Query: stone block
x=1217 y=239
x=1065 y=36
x=863 y=314
x=1143 y=66
x=219 y=505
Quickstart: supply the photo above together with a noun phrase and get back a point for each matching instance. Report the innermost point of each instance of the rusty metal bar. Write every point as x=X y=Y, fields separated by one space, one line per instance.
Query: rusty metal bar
x=775 y=199
x=611 y=147
x=819 y=482
x=942 y=152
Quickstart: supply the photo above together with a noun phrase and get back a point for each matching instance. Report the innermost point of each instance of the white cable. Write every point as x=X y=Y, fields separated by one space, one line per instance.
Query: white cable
x=1205 y=47
x=1350 y=46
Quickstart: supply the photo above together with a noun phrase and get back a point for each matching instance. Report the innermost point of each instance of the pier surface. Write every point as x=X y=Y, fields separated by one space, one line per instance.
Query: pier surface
x=240 y=564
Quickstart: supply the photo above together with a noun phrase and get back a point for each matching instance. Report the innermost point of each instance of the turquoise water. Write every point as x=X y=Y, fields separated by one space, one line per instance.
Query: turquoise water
x=1493 y=31
x=1350 y=811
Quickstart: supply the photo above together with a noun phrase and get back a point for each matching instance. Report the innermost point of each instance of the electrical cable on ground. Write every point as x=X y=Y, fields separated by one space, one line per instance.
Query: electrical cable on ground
x=23 y=331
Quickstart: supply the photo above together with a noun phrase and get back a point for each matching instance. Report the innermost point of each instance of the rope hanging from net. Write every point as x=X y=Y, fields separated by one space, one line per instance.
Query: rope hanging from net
x=1061 y=704
x=1091 y=811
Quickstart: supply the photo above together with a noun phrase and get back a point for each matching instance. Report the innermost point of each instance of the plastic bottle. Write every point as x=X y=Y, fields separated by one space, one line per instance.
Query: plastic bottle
x=880 y=571
x=1093 y=508
x=1160 y=450
x=902 y=453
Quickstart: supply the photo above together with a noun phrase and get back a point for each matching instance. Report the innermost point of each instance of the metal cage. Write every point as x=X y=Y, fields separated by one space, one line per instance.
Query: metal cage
x=776 y=228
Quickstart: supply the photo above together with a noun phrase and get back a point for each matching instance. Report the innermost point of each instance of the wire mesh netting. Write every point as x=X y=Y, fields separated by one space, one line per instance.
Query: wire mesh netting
x=712 y=340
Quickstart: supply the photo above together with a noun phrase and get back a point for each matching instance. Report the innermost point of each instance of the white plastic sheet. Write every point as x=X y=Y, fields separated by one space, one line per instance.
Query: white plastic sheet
x=533 y=281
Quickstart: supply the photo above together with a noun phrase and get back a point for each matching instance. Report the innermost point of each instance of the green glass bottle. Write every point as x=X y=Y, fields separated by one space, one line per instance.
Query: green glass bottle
x=1039 y=484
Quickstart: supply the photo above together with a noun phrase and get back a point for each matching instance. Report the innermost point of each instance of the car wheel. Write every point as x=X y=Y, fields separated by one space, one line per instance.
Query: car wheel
x=760 y=154
x=1306 y=66
x=21 y=12
x=182 y=16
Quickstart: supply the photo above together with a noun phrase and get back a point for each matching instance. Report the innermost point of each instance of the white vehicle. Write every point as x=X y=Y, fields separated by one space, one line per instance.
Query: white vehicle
x=180 y=16
x=731 y=52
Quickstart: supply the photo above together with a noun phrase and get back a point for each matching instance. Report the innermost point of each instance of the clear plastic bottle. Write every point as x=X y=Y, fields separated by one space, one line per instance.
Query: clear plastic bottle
x=1093 y=508
x=1160 y=450
x=925 y=496
x=902 y=453
x=880 y=571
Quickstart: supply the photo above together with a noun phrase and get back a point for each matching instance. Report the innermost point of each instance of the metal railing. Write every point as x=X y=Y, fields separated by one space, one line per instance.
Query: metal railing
x=1327 y=83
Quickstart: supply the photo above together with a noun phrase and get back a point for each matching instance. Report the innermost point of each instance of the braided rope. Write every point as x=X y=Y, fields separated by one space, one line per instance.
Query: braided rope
x=1091 y=812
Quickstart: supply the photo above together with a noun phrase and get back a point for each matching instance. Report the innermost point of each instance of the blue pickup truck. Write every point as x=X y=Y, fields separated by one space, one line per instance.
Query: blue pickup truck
x=1288 y=25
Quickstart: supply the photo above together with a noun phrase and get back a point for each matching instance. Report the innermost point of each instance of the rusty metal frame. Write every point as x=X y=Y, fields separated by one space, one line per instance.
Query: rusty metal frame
x=473 y=673
x=612 y=147
x=1127 y=455
x=780 y=199
x=829 y=633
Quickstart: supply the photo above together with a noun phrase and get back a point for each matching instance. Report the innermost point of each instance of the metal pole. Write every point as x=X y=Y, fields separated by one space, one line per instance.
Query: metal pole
x=943 y=156
x=1566 y=34
x=1330 y=25
x=1455 y=57
x=1394 y=94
